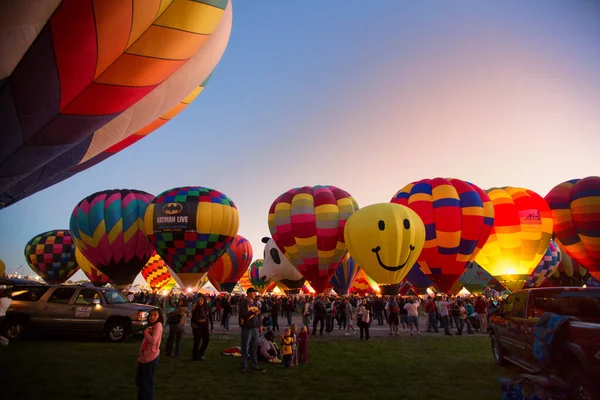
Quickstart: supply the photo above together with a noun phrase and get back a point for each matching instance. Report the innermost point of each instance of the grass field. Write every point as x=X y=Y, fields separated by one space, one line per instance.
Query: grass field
x=410 y=368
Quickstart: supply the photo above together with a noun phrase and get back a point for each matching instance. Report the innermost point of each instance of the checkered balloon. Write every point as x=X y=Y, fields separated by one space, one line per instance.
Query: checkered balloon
x=51 y=255
x=157 y=275
x=546 y=266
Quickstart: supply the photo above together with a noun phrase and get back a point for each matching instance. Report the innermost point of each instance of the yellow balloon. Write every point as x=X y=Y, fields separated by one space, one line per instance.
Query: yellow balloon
x=385 y=240
x=2 y=268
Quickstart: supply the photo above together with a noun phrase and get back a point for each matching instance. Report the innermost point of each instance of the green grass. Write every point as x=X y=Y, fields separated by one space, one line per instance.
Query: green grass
x=412 y=368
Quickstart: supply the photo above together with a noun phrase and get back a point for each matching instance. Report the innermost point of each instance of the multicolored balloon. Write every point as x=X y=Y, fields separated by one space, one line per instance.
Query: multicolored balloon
x=458 y=218
x=520 y=236
x=363 y=284
x=255 y=275
x=191 y=227
x=575 y=206
x=245 y=280
x=385 y=240
x=307 y=224
x=418 y=279
x=94 y=76
x=568 y=273
x=277 y=268
x=93 y=274
x=51 y=255
x=107 y=228
x=2 y=268
x=475 y=278
x=344 y=275
x=546 y=266
x=232 y=265
x=157 y=274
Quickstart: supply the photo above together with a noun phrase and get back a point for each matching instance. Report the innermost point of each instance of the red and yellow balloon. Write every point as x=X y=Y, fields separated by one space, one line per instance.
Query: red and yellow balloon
x=225 y=273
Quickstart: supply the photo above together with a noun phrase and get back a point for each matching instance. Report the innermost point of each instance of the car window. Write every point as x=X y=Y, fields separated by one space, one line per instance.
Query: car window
x=583 y=305
x=86 y=296
x=515 y=305
x=28 y=293
x=114 y=297
x=61 y=295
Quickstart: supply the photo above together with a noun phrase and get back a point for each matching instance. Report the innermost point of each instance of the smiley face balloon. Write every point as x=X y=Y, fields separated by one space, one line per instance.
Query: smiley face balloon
x=385 y=240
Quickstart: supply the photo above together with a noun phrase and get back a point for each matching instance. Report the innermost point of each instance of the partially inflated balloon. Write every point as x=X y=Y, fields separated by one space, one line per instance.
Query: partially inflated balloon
x=458 y=218
x=157 y=274
x=575 y=209
x=190 y=228
x=418 y=279
x=107 y=228
x=345 y=274
x=520 y=236
x=546 y=266
x=475 y=278
x=255 y=275
x=386 y=240
x=307 y=224
x=51 y=255
x=230 y=267
x=92 y=273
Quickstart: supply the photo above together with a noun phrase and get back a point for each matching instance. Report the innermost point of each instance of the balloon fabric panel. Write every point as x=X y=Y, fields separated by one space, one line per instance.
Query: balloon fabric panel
x=51 y=255
x=546 y=266
x=92 y=273
x=156 y=273
x=255 y=276
x=344 y=275
x=232 y=265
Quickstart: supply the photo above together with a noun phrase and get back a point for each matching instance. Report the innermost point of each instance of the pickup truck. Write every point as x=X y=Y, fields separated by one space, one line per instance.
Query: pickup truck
x=575 y=352
x=78 y=309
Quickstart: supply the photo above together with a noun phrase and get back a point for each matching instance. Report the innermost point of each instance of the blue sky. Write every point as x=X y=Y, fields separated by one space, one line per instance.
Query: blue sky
x=367 y=96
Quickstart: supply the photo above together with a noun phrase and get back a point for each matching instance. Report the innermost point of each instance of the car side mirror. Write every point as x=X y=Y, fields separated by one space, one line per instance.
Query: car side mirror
x=96 y=301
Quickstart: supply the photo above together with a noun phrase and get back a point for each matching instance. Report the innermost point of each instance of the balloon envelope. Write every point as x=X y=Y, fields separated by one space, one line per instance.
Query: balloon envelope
x=107 y=228
x=157 y=274
x=232 y=265
x=345 y=274
x=51 y=255
x=93 y=274
x=475 y=278
x=458 y=218
x=277 y=268
x=546 y=266
x=255 y=274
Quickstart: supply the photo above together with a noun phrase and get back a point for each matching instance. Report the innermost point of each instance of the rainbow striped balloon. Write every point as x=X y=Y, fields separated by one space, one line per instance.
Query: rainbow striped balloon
x=546 y=267
x=345 y=274
x=458 y=218
x=157 y=273
x=232 y=265
x=51 y=255
x=307 y=224
x=363 y=284
x=107 y=228
x=575 y=206
x=520 y=236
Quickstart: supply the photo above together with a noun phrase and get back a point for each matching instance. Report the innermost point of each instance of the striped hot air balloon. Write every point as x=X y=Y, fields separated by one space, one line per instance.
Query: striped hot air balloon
x=51 y=255
x=458 y=218
x=231 y=266
x=345 y=274
x=546 y=266
x=93 y=274
x=244 y=281
x=575 y=206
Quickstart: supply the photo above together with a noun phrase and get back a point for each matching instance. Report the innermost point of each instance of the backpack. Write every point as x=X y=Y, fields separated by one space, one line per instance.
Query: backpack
x=320 y=307
x=395 y=308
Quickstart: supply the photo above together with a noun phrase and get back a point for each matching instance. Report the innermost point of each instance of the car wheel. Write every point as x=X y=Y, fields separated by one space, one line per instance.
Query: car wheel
x=497 y=350
x=117 y=331
x=15 y=327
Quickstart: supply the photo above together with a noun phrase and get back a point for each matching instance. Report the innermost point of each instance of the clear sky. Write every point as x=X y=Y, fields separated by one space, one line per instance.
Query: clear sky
x=367 y=96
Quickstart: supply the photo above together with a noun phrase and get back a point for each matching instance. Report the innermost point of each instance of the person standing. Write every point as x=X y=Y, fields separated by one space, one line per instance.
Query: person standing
x=319 y=310
x=177 y=319
x=149 y=356
x=227 y=311
x=5 y=302
x=481 y=310
x=275 y=315
x=201 y=318
x=431 y=315
x=250 y=322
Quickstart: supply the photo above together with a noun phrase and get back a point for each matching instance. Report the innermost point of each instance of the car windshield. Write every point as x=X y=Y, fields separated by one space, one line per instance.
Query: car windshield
x=114 y=297
x=581 y=304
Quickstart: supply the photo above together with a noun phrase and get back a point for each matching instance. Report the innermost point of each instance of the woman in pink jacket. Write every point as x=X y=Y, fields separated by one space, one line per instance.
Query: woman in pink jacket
x=149 y=355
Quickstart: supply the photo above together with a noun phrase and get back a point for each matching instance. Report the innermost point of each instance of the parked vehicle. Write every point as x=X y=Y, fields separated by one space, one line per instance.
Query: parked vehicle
x=575 y=352
x=79 y=309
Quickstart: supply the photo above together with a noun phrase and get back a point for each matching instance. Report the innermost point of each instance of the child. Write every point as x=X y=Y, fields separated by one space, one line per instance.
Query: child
x=303 y=345
x=287 y=341
x=294 y=329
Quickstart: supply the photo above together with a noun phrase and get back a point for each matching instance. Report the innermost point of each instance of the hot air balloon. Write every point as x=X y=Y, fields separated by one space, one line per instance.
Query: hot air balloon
x=51 y=255
x=245 y=280
x=93 y=78
x=474 y=279
x=568 y=273
x=93 y=274
x=2 y=269
x=190 y=228
x=385 y=239
x=546 y=266
x=307 y=224
x=418 y=279
x=108 y=229
x=344 y=275
x=575 y=206
x=230 y=267
x=458 y=218
x=520 y=236
x=255 y=275
x=277 y=268
x=158 y=275
x=363 y=284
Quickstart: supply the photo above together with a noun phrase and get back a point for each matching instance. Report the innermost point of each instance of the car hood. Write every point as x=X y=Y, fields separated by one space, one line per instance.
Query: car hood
x=132 y=307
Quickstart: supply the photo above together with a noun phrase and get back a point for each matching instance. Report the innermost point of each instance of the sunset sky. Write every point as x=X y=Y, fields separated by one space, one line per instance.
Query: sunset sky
x=366 y=96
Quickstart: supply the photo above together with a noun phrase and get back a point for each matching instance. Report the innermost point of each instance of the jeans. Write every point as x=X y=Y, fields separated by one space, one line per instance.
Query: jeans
x=445 y=319
x=432 y=322
x=379 y=316
x=289 y=317
x=250 y=345
x=306 y=320
x=328 y=323
x=201 y=333
x=145 y=379
x=175 y=335
x=318 y=319
x=364 y=329
x=458 y=323
x=225 y=321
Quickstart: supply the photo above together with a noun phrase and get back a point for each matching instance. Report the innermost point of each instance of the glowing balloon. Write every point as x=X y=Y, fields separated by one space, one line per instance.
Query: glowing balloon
x=107 y=228
x=345 y=274
x=51 y=255
x=363 y=284
x=568 y=273
x=546 y=266
x=575 y=206
x=93 y=274
x=386 y=240
x=277 y=268
x=255 y=275
x=232 y=265
x=190 y=228
x=245 y=281
x=307 y=224
x=158 y=275
x=99 y=60
x=458 y=218
x=520 y=236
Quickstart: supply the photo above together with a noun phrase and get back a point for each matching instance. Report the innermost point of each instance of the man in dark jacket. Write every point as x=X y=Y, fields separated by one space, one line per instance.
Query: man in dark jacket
x=249 y=316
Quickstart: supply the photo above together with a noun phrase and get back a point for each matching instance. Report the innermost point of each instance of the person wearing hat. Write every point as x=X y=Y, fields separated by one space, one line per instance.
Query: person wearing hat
x=249 y=316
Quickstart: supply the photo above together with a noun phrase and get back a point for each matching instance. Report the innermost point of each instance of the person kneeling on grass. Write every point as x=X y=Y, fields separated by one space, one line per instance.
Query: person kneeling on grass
x=267 y=349
x=287 y=341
